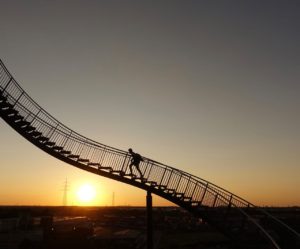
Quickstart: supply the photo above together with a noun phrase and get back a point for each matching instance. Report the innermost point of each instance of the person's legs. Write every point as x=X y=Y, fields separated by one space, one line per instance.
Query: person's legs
x=130 y=167
x=138 y=169
x=140 y=172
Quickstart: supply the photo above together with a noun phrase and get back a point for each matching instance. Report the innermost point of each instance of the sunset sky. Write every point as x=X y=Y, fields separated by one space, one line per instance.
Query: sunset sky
x=208 y=87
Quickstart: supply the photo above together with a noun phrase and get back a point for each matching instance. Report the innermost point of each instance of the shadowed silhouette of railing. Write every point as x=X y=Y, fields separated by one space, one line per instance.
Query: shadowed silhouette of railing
x=234 y=216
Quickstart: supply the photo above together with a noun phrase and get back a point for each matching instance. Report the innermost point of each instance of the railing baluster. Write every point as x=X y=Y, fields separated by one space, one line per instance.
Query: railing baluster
x=215 y=199
x=171 y=172
x=67 y=138
x=52 y=131
x=178 y=182
x=17 y=100
x=187 y=185
x=34 y=117
x=149 y=172
x=161 y=179
x=192 y=195
x=125 y=164
x=102 y=155
x=7 y=84
x=203 y=195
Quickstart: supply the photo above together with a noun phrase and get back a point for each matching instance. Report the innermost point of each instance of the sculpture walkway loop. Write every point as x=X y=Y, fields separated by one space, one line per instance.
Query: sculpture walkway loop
x=234 y=216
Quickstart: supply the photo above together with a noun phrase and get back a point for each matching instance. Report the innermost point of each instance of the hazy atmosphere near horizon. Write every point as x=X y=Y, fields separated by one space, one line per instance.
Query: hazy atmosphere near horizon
x=208 y=87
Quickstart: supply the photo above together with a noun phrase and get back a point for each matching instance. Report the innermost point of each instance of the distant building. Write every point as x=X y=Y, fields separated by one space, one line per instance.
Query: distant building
x=8 y=224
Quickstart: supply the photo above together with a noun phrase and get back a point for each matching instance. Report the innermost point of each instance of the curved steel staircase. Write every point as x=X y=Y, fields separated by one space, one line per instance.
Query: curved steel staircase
x=248 y=225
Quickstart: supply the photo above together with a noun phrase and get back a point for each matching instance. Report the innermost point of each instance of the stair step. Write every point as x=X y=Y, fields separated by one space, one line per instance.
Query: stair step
x=162 y=187
x=43 y=139
x=17 y=118
x=187 y=198
x=105 y=168
x=152 y=183
x=132 y=175
x=65 y=152
x=142 y=179
x=36 y=133
x=73 y=156
x=23 y=123
x=179 y=194
x=195 y=203
x=10 y=112
x=116 y=171
x=82 y=160
x=170 y=191
x=49 y=143
x=57 y=148
x=94 y=164
x=5 y=105
x=2 y=98
x=29 y=128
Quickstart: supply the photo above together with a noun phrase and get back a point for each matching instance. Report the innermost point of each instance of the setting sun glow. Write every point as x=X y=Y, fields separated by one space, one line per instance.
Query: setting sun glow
x=86 y=193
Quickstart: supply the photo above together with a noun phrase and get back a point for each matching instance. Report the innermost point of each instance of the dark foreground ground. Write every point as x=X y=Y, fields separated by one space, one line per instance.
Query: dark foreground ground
x=112 y=227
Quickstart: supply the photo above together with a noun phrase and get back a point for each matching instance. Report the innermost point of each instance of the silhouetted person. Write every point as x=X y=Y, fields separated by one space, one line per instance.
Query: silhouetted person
x=135 y=161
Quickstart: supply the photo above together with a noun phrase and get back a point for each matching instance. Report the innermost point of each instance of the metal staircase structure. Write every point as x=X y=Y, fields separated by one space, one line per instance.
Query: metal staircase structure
x=248 y=225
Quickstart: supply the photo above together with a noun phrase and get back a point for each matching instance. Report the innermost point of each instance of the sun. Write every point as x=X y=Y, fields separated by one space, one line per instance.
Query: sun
x=86 y=193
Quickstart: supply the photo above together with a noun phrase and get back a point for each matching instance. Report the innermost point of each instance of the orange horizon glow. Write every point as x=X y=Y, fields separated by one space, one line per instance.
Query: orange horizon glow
x=100 y=193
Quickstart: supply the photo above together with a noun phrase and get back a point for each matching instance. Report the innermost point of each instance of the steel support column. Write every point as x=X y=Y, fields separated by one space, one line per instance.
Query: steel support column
x=149 y=221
